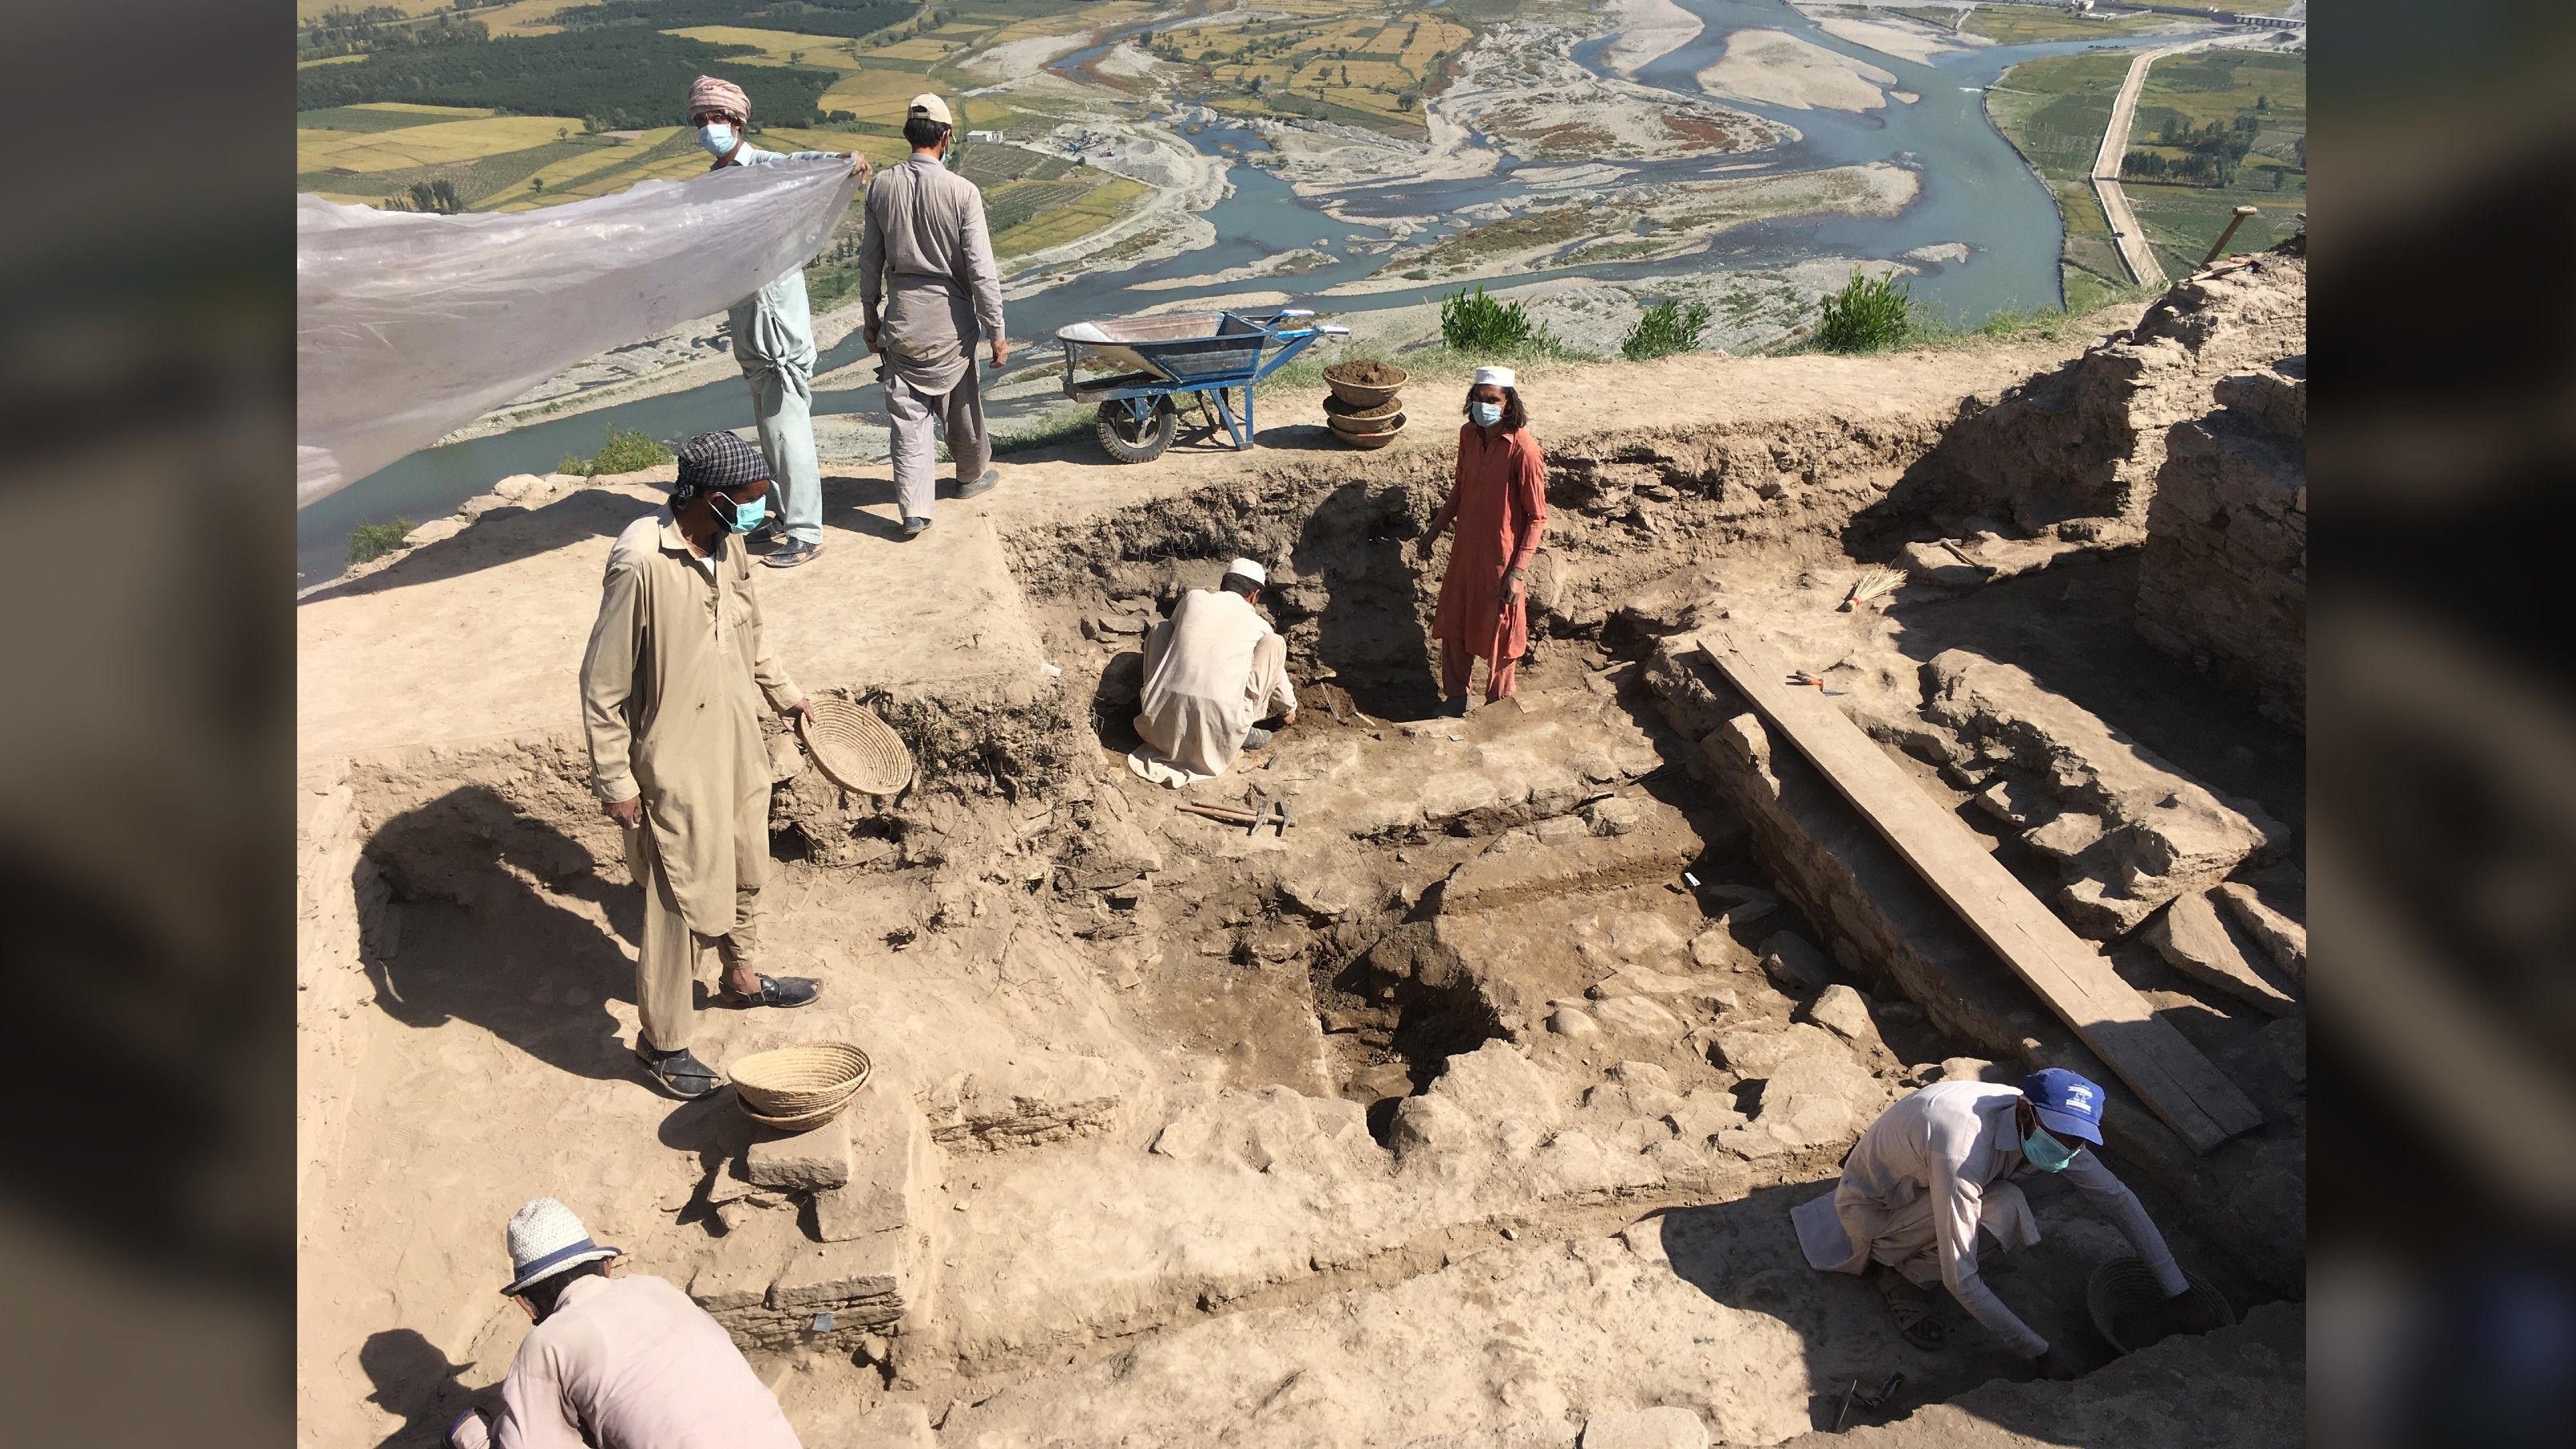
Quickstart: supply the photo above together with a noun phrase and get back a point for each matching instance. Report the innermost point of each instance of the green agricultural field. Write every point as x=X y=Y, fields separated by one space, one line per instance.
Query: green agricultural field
x=2026 y=24
x=1096 y=208
x=2260 y=95
x=2053 y=110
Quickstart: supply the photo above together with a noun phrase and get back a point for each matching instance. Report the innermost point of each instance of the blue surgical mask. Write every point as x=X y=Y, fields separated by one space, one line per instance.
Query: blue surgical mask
x=717 y=137
x=739 y=517
x=1486 y=414
x=2045 y=1152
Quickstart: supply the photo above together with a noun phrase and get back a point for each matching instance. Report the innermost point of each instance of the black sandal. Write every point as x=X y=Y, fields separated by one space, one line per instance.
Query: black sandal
x=678 y=1073
x=782 y=991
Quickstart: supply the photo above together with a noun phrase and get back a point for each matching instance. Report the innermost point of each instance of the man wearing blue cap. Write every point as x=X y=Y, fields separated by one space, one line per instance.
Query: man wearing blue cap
x=1942 y=1164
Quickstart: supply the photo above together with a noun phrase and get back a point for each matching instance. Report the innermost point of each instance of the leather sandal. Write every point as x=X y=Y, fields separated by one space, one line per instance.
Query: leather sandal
x=678 y=1073
x=774 y=991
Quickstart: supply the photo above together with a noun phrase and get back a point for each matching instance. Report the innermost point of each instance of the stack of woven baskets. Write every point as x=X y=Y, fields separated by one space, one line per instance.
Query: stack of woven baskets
x=801 y=1087
x=1365 y=409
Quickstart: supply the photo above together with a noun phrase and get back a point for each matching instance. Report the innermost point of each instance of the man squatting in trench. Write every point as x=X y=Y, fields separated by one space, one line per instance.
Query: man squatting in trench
x=1942 y=1164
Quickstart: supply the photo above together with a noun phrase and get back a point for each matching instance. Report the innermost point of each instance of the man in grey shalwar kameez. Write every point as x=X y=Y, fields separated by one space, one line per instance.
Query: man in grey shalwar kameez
x=926 y=229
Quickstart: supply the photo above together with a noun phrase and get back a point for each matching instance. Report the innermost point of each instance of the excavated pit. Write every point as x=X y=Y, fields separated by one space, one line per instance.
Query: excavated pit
x=1474 y=1103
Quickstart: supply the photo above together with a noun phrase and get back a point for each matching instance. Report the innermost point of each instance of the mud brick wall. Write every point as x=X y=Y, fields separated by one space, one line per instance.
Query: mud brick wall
x=2224 y=583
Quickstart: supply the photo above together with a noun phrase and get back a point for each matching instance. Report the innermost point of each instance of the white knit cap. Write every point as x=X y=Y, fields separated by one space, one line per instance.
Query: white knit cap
x=545 y=1239
x=1498 y=376
x=1249 y=570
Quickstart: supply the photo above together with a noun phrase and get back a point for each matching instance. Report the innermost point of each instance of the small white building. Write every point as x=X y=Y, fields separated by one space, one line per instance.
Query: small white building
x=983 y=135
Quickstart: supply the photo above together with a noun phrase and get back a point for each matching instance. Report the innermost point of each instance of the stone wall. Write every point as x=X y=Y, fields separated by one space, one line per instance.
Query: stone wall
x=2075 y=452
x=2224 y=585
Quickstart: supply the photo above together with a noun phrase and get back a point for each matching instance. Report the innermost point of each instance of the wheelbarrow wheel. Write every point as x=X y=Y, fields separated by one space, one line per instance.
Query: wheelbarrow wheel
x=1126 y=439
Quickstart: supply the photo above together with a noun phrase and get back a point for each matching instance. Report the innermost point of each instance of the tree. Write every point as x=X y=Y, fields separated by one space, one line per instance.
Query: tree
x=536 y=184
x=2262 y=103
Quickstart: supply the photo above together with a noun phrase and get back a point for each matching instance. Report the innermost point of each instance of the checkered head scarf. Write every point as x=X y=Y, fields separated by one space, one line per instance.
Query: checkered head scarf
x=716 y=463
x=710 y=94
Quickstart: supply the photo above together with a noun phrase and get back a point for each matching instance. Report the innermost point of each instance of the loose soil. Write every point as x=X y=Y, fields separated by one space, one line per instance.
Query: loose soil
x=1465 y=1105
x=1367 y=372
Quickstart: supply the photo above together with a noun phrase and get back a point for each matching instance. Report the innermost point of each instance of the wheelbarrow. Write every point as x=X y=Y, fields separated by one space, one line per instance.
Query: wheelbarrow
x=1153 y=364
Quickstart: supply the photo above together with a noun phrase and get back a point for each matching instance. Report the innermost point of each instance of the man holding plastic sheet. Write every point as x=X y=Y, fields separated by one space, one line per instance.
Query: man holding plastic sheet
x=773 y=339
x=1939 y=1167
x=926 y=229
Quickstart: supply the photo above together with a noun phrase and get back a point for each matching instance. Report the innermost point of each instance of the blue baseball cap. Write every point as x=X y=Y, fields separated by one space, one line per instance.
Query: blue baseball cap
x=2069 y=1106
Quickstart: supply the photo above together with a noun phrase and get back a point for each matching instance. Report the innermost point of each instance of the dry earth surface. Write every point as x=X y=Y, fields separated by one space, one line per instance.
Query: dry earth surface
x=1467 y=1110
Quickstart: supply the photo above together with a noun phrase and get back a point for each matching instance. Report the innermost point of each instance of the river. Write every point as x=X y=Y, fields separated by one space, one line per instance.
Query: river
x=1975 y=190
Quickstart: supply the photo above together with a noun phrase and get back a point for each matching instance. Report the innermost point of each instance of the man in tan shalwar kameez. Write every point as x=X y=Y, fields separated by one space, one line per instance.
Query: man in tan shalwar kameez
x=670 y=693
x=1213 y=671
x=927 y=257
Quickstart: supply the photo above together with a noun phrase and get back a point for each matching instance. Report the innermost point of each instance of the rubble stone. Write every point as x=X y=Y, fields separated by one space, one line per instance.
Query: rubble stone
x=2163 y=835
x=2191 y=937
x=1792 y=961
x=801 y=1161
x=2283 y=939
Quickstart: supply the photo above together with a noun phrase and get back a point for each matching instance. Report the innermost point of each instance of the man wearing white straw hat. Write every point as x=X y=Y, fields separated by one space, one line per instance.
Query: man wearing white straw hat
x=629 y=1362
x=928 y=259
x=1213 y=671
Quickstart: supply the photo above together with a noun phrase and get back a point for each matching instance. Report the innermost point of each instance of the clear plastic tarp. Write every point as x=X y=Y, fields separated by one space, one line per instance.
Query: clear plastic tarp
x=409 y=326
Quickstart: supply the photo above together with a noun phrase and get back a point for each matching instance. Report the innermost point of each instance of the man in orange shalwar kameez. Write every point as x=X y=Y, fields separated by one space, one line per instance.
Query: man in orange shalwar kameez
x=1499 y=503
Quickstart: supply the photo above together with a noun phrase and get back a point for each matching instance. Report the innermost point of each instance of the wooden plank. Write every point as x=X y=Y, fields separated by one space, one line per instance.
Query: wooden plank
x=2173 y=1078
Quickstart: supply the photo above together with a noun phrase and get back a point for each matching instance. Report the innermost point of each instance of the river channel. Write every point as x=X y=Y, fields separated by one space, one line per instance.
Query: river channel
x=1975 y=190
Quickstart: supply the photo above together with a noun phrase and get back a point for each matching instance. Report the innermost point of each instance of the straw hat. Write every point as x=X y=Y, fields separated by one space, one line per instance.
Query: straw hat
x=545 y=1239
x=854 y=748
x=799 y=1087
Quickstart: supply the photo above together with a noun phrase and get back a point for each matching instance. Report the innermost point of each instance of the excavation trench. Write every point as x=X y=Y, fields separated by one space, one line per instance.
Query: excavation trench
x=1524 y=1033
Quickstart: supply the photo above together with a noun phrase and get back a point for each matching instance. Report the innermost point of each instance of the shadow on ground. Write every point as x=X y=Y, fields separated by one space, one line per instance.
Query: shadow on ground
x=481 y=942
x=414 y=1381
x=502 y=536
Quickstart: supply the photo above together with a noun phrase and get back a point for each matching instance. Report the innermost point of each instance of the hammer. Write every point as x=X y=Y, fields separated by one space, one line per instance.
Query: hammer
x=2233 y=223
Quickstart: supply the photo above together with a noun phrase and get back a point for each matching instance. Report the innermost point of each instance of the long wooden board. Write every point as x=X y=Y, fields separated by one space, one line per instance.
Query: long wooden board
x=2174 y=1079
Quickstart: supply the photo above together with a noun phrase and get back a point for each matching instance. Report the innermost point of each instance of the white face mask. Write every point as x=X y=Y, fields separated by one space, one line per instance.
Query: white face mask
x=1486 y=414
x=717 y=137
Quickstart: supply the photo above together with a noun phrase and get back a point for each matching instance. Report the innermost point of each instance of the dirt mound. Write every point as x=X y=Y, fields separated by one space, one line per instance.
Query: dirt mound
x=1366 y=372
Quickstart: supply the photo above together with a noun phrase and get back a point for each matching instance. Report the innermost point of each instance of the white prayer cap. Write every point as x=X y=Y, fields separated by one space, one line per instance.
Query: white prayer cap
x=1498 y=376
x=1249 y=570
x=545 y=1239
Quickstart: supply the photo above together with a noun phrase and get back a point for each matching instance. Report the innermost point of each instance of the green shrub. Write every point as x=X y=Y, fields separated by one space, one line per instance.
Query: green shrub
x=1870 y=314
x=375 y=540
x=1474 y=322
x=1667 y=328
x=626 y=450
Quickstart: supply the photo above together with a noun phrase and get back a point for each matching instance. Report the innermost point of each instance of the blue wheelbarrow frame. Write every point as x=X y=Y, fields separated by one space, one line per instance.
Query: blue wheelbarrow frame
x=1201 y=354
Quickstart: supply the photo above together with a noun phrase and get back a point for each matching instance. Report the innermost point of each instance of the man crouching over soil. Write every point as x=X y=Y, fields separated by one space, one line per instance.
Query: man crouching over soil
x=670 y=696
x=629 y=1362
x=1212 y=671
x=1937 y=1168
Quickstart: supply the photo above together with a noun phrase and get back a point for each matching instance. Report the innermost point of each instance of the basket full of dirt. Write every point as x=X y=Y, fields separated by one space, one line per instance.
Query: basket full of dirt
x=2130 y=1310
x=1365 y=382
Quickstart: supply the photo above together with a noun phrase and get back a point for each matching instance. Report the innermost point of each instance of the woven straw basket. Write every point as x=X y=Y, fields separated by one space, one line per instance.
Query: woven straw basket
x=854 y=748
x=801 y=1086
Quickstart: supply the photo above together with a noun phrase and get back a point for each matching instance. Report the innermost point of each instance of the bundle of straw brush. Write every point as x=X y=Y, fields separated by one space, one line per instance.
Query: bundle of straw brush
x=1872 y=584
